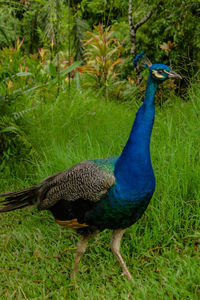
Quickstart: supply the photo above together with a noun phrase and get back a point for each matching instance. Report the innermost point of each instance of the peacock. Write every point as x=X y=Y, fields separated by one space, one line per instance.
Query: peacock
x=96 y=194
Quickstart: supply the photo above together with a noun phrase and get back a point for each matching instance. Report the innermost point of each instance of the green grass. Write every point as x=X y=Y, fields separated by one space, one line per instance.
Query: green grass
x=161 y=250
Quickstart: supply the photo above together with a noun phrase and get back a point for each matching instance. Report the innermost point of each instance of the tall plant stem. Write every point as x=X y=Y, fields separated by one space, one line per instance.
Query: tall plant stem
x=69 y=45
x=57 y=39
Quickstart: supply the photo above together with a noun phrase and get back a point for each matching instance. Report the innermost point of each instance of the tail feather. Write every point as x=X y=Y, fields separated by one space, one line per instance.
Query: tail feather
x=19 y=199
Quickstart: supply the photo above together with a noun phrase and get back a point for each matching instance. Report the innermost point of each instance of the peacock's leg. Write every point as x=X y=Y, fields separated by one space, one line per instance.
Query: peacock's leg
x=115 y=246
x=81 y=247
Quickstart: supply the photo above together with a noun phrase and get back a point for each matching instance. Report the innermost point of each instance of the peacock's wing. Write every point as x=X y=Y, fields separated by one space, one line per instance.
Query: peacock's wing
x=87 y=180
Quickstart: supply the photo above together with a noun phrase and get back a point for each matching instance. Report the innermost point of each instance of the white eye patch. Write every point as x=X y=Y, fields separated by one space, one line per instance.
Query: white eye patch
x=156 y=74
x=166 y=72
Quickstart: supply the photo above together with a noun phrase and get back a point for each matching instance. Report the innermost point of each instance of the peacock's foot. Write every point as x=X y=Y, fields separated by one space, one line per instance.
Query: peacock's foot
x=74 y=276
x=127 y=274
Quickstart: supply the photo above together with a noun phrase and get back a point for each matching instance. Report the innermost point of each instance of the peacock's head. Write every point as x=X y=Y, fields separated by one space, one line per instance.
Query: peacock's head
x=158 y=72
x=161 y=72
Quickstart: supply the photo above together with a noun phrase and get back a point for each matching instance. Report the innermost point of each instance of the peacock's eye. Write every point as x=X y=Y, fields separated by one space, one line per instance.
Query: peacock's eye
x=160 y=71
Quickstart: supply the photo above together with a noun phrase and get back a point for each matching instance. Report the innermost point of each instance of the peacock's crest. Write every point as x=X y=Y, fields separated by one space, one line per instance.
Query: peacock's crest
x=141 y=58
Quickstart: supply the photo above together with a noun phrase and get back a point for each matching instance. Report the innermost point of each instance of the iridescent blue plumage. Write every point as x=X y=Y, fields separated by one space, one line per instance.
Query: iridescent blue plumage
x=102 y=193
x=138 y=58
x=125 y=202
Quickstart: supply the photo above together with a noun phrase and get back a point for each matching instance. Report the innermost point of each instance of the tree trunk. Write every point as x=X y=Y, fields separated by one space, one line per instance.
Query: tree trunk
x=133 y=31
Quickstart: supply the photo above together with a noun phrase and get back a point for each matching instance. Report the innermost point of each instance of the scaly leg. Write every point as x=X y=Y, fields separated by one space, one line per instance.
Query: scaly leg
x=81 y=247
x=115 y=246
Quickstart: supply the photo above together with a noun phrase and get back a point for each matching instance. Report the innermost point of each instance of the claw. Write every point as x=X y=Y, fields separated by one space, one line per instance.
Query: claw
x=128 y=275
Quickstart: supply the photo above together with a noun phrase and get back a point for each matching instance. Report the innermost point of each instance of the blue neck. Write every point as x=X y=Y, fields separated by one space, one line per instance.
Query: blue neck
x=133 y=169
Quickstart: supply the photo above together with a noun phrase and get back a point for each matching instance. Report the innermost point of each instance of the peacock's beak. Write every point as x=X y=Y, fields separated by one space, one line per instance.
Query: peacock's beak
x=173 y=74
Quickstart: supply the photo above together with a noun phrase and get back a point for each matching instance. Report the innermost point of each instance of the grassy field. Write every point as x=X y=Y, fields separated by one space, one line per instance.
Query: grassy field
x=162 y=250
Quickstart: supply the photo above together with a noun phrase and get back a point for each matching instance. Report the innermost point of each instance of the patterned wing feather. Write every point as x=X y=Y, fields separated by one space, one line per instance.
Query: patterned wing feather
x=85 y=180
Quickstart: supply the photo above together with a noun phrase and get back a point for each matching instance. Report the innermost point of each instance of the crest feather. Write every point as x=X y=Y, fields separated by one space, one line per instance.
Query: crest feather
x=141 y=58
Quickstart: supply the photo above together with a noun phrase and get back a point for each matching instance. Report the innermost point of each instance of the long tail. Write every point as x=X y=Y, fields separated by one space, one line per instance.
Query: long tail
x=19 y=199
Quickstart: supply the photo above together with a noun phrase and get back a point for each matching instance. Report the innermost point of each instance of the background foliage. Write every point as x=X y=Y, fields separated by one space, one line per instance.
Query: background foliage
x=41 y=21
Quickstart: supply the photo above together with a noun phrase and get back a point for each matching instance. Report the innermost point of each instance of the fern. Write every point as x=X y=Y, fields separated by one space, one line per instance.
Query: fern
x=14 y=141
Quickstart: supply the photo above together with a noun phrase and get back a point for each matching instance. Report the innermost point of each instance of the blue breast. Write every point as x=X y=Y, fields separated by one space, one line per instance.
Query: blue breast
x=113 y=212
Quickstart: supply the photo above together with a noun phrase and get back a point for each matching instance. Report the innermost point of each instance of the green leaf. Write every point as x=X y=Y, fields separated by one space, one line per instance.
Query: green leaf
x=9 y=129
x=52 y=69
x=63 y=74
x=70 y=68
x=33 y=88
x=23 y=74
